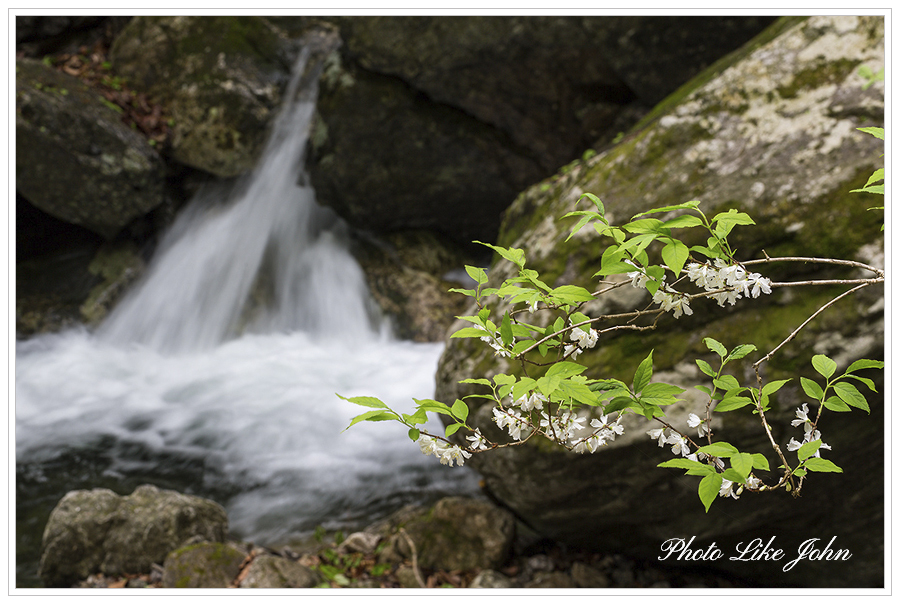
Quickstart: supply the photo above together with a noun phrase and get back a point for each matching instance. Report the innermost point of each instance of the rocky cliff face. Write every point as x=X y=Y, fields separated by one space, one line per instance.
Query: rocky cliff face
x=772 y=133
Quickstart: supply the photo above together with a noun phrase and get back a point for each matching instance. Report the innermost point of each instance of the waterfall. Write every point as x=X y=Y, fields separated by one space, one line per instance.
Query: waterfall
x=267 y=228
x=188 y=385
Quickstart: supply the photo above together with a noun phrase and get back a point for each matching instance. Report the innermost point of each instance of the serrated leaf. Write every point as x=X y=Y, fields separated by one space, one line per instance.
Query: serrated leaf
x=824 y=365
x=850 y=395
x=817 y=464
x=705 y=368
x=675 y=254
x=709 y=489
x=812 y=389
x=835 y=404
x=809 y=449
x=643 y=373
x=716 y=347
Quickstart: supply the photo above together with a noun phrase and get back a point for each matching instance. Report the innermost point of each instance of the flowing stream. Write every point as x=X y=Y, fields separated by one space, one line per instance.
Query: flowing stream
x=217 y=374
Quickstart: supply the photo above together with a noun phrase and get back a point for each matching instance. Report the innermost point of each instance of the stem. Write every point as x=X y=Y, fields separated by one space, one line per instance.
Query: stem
x=852 y=263
x=811 y=317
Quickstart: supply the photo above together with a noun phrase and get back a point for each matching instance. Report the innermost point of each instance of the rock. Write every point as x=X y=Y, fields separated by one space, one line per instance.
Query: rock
x=554 y=580
x=100 y=531
x=437 y=122
x=360 y=542
x=491 y=579
x=117 y=265
x=220 y=79
x=772 y=133
x=203 y=565
x=458 y=534
x=277 y=572
x=585 y=575
x=75 y=159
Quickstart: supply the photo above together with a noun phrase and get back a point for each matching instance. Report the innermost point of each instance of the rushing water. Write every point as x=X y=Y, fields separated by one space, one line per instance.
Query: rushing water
x=194 y=384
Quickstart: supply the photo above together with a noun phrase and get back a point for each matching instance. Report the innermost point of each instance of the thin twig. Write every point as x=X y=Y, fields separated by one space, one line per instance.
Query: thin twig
x=811 y=317
x=415 y=563
x=853 y=263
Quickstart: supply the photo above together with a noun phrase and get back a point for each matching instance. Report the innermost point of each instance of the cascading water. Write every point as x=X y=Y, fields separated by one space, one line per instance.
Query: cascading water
x=189 y=386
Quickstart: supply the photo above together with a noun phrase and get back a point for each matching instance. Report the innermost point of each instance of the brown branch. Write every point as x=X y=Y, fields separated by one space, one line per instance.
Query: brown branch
x=852 y=263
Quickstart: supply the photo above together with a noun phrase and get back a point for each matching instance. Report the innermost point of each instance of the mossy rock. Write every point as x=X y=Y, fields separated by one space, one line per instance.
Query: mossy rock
x=203 y=565
x=758 y=133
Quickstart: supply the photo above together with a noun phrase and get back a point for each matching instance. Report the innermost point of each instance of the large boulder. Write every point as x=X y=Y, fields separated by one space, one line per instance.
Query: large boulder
x=773 y=133
x=100 y=531
x=75 y=159
x=220 y=79
x=437 y=122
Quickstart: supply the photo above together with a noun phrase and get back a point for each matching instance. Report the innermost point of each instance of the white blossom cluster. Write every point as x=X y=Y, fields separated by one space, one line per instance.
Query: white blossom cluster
x=583 y=339
x=445 y=452
x=492 y=342
x=809 y=432
x=729 y=281
x=733 y=278
x=605 y=431
x=680 y=447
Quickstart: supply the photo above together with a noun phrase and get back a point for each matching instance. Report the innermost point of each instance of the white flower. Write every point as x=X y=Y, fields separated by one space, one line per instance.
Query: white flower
x=571 y=349
x=793 y=445
x=477 y=440
x=585 y=339
x=659 y=434
x=725 y=489
x=803 y=418
x=501 y=418
x=535 y=401
x=753 y=482
x=532 y=306
x=760 y=285
x=515 y=426
x=695 y=422
x=454 y=453
x=729 y=296
x=679 y=444
x=427 y=444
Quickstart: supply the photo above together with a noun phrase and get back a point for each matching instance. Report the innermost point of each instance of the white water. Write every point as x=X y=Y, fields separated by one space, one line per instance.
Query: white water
x=168 y=379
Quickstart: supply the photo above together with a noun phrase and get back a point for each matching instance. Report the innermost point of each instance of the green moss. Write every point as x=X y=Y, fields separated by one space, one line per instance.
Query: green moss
x=820 y=74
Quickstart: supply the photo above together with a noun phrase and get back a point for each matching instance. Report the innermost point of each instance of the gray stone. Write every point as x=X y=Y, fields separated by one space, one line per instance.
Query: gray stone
x=99 y=531
x=75 y=159
x=585 y=575
x=277 y=572
x=760 y=134
x=491 y=579
x=203 y=565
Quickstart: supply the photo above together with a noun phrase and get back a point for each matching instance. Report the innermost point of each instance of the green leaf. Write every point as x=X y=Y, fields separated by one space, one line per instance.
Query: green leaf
x=850 y=395
x=595 y=200
x=817 y=464
x=833 y=403
x=760 y=461
x=643 y=373
x=465 y=292
x=514 y=255
x=726 y=382
x=452 y=429
x=824 y=365
x=506 y=333
x=732 y=402
x=682 y=222
x=740 y=352
x=618 y=403
x=716 y=347
x=876 y=132
x=413 y=434
x=365 y=401
x=812 y=389
x=571 y=294
x=645 y=226
x=720 y=449
x=523 y=387
x=734 y=476
x=480 y=381
x=675 y=254
x=433 y=406
x=705 y=368
x=460 y=410
x=477 y=274
x=660 y=390
x=548 y=384
x=773 y=387
x=865 y=364
x=869 y=383
x=469 y=332
x=566 y=369
x=688 y=205
x=579 y=392
x=809 y=449
x=376 y=415
x=743 y=465
x=699 y=469
x=732 y=216
x=581 y=222
x=709 y=489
